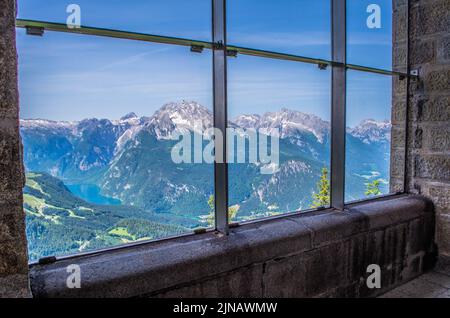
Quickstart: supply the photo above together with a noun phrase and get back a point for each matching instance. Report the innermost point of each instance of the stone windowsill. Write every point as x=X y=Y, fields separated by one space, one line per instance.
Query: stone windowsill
x=158 y=266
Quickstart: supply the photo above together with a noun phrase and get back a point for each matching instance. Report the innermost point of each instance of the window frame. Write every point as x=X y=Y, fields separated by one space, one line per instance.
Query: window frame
x=221 y=51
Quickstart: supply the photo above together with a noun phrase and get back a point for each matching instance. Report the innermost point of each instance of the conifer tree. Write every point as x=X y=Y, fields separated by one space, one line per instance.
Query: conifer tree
x=373 y=188
x=232 y=212
x=322 y=197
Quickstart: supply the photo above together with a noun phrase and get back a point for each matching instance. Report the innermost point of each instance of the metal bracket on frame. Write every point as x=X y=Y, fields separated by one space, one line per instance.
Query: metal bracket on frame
x=37 y=31
x=47 y=260
x=232 y=53
x=414 y=72
x=218 y=45
x=197 y=48
x=322 y=66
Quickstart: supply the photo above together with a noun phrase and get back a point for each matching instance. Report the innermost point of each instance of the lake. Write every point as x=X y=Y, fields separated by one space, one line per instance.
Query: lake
x=91 y=193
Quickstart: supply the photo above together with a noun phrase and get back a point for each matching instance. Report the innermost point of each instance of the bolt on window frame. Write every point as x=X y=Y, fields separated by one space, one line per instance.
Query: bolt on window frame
x=220 y=52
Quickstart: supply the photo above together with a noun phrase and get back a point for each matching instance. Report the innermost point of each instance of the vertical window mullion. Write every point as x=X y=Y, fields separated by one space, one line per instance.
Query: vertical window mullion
x=220 y=114
x=338 y=98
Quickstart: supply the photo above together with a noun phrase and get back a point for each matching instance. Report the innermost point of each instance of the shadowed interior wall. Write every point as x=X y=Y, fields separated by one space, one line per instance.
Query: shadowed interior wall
x=428 y=159
x=13 y=245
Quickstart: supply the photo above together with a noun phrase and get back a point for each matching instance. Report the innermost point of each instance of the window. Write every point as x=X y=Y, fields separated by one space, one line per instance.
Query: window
x=99 y=119
x=291 y=102
x=369 y=33
x=368 y=140
x=299 y=27
x=147 y=121
x=176 y=18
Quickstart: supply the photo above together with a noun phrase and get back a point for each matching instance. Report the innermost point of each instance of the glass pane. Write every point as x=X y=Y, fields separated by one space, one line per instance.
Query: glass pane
x=284 y=99
x=369 y=33
x=369 y=100
x=299 y=27
x=178 y=18
x=99 y=121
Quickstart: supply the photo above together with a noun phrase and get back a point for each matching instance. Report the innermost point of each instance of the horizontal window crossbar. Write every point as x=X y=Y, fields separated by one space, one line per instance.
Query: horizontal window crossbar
x=61 y=27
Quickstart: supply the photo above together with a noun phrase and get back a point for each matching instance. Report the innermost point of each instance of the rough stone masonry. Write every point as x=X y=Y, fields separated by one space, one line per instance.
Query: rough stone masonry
x=428 y=159
x=13 y=244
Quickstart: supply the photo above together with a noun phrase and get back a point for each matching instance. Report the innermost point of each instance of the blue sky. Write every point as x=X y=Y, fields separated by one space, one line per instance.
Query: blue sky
x=70 y=77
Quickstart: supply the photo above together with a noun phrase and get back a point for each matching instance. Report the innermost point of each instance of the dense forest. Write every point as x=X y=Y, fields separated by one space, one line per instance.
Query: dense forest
x=60 y=223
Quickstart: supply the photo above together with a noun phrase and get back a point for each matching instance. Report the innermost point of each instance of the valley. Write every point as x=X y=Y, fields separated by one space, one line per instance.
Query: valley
x=97 y=183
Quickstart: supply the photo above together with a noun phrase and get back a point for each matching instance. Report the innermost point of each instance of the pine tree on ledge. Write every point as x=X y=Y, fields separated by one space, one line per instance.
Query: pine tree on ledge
x=373 y=188
x=322 y=198
x=210 y=218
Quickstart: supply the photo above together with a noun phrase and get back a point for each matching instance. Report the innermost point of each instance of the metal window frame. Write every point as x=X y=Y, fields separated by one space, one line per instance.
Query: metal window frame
x=406 y=157
x=152 y=38
x=220 y=52
x=338 y=102
x=220 y=113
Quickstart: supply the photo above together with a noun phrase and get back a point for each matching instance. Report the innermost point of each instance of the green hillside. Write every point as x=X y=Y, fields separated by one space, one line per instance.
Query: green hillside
x=60 y=223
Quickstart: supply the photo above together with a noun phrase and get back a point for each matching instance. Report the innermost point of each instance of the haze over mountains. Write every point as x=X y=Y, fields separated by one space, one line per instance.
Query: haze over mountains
x=128 y=160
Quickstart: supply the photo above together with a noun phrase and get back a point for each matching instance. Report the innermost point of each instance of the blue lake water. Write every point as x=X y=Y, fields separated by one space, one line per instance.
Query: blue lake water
x=91 y=194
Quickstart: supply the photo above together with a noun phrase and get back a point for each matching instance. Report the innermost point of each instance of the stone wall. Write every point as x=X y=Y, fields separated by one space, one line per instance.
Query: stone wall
x=428 y=160
x=13 y=245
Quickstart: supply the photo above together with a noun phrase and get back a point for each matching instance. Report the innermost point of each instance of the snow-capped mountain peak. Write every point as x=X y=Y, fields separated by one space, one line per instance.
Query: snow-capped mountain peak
x=129 y=116
x=247 y=121
x=288 y=122
x=181 y=117
x=44 y=123
x=371 y=130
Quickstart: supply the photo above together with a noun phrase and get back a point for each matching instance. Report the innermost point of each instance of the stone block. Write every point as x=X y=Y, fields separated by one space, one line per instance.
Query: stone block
x=435 y=167
x=438 y=80
x=291 y=236
x=326 y=268
x=398 y=88
x=398 y=159
x=394 y=244
x=430 y=17
x=437 y=139
x=420 y=235
x=396 y=184
x=9 y=96
x=383 y=214
x=422 y=52
x=390 y=276
x=442 y=233
x=399 y=57
x=242 y=283
x=434 y=108
x=13 y=257
x=12 y=222
x=11 y=175
x=308 y=274
x=443 y=51
x=331 y=227
x=398 y=137
x=413 y=267
x=399 y=23
x=398 y=114
x=441 y=197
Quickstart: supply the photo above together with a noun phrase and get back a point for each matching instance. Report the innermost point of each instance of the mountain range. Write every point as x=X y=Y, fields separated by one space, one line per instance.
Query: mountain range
x=129 y=160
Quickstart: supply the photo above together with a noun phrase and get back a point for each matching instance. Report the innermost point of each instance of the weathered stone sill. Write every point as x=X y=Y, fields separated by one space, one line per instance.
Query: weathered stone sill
x=323 y=254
